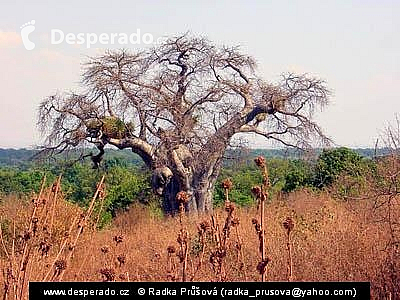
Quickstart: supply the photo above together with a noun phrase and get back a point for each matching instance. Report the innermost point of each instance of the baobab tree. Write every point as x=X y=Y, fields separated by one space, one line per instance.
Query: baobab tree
x=178 y=106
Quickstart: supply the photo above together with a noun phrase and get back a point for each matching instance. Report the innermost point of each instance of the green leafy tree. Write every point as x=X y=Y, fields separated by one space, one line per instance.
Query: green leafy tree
x=20 y=182
x=243 y=180
x=335 y=162
x=298 y=175
x=125 y=186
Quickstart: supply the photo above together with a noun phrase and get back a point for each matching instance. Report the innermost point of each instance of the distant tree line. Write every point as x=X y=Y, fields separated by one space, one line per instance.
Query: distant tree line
x=127 y=180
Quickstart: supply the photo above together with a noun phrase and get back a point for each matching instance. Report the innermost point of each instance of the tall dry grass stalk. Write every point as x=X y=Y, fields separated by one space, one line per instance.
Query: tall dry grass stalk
x=288 y=225
x=55 y=190
x=262 y=193
x=39 y=231
x=60 y=265
x=171 y=269
x=239 y=248
x=203 y=229
x=233 y=221
x=15 y=274
x=27 y=247
x=183 y=236
x=219 y=254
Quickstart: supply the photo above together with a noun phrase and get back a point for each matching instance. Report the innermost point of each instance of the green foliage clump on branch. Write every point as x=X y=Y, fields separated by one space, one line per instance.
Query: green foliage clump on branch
x=110 y=126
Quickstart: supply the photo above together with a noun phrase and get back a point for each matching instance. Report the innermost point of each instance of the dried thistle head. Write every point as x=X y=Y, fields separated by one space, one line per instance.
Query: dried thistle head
x=10 y=275
x=238 y=246
x=229 y=207
x=108 y=274
x=217 y=256
x=182 y=238
x=157 y=255
x=262 y=265
x=260 y=161
x=227 y=184
x=121 y=259
x=180 y=255
x=213 y=259
x=105 y=249
x=54 y=187
x=102 y=194
x=235 y=221
x=288 y=224
x=182 y=198
x=118 y=239
x=203 y=227
x=45 y=229
x=102 y=191
x=171 y=276
x=26 y=236
x=171 y=249
x=81 y=221
x=34 y=228
x=257 y=227
x=34 y=201
x=122 y=277
x=256 y=191
x=221 y=253
x=44 y=247
x=60 y=264
x=100 y=186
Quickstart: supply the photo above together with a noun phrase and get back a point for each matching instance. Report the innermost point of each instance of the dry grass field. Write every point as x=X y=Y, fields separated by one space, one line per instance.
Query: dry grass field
x=329 y=240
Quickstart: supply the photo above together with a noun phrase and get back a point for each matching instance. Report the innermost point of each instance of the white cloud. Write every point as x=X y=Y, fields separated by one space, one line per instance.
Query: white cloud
x=9 y=39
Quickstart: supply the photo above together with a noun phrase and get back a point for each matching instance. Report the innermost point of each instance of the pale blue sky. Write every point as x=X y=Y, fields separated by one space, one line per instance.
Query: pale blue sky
x=353 y=45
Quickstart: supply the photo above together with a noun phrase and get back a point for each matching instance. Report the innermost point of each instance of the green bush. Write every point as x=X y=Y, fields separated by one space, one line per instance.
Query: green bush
x=124 y=186
x=341 y=169
x=79 y=183
x=284 y=174
x=298 y=175
x=19 y=182
x=331 y=163
x=243 y=181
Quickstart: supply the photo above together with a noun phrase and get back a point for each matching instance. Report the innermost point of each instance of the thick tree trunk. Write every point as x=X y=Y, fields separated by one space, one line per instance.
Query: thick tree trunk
x=170 y=204
x=204 y=186
x=204 y=197
x=200 y=190
x=179 y=171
